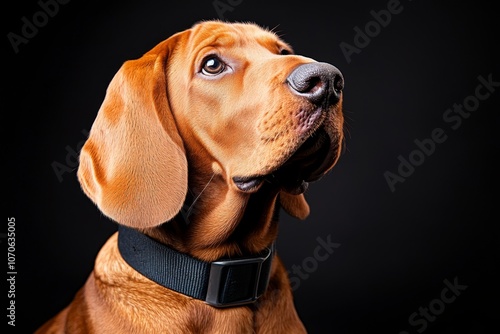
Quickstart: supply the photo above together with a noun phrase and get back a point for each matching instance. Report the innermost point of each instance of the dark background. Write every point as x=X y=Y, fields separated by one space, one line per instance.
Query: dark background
x=396 y=247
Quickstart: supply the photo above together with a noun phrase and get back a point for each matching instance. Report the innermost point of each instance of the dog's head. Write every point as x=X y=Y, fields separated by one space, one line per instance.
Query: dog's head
x=231 y=100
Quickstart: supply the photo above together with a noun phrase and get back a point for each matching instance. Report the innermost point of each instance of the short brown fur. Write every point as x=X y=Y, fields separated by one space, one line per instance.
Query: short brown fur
x=166 y=132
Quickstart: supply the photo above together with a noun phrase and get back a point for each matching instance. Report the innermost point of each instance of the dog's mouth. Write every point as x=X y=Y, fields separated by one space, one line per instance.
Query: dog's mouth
x=311 y=160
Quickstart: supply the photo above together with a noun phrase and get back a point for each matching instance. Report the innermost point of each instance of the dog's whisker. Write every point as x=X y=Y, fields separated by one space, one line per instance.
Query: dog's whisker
x=188 y=213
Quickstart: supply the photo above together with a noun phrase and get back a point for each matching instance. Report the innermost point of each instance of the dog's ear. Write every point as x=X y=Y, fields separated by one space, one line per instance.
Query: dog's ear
x=294 y=205
x=133 y=165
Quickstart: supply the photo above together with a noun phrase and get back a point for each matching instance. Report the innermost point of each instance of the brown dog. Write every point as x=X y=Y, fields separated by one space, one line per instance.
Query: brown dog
x=196 y=147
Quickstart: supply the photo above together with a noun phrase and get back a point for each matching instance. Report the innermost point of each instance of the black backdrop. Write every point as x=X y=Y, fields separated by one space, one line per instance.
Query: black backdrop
x=408 y=212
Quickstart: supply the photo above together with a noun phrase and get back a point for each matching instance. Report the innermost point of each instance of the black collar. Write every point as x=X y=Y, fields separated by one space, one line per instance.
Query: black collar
x=222 y=283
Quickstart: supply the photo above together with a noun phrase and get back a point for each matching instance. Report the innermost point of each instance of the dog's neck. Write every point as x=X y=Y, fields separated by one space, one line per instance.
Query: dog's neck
x=222 y=221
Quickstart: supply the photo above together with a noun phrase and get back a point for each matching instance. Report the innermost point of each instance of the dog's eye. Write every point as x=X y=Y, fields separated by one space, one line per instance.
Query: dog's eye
x=213 y=66
x=285 y=52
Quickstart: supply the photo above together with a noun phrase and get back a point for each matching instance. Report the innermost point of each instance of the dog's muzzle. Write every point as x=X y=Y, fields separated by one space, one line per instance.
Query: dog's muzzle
x=321 y=85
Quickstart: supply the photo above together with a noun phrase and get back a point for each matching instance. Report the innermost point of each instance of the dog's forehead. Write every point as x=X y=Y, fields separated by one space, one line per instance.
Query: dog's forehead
x=215 y=33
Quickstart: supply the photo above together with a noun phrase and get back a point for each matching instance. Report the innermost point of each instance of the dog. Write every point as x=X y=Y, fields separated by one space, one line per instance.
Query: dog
x=196 y=148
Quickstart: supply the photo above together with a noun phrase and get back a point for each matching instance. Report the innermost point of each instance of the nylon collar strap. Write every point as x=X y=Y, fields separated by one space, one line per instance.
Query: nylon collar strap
x=222 y=283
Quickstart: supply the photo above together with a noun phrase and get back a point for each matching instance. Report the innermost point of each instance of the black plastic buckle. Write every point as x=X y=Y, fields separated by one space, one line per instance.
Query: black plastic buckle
x=238 y=282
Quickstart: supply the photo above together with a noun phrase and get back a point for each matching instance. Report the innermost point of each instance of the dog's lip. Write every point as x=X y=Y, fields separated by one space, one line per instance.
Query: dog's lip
x=306 y=164
x=248 y=184
x=252 y=184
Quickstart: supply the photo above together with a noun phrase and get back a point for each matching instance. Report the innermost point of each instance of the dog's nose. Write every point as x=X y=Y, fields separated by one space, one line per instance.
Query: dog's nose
x=320 y=83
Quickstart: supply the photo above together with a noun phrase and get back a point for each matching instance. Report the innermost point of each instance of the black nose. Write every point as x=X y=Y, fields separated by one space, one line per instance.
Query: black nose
x=320 y=83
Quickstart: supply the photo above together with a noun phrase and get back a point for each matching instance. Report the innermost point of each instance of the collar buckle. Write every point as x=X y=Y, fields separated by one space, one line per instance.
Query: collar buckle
x=239 y=282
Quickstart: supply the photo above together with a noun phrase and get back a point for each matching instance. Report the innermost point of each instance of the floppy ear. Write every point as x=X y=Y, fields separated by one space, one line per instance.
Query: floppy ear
x=294 y=205
x=133 y=165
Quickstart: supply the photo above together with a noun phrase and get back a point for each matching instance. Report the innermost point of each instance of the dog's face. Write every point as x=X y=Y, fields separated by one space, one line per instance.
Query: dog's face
x=243 y=98
x=224 y=102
